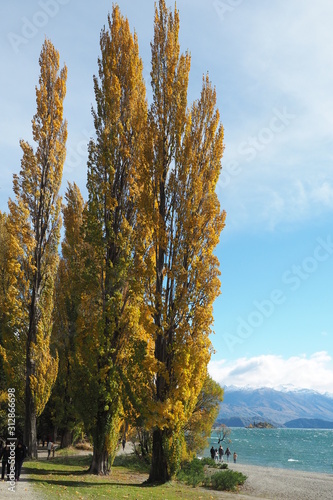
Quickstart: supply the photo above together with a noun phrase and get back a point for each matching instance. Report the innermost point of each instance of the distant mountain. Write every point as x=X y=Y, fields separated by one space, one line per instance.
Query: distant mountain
x=276 y=407
x=308 y=423
x=233 y=422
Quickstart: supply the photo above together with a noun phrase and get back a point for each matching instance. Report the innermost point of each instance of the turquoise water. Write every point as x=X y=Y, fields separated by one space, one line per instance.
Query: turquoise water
x=294 y=449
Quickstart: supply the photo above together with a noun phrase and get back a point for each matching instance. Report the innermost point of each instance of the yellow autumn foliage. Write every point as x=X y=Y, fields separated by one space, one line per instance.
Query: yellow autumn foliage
x=34 y=226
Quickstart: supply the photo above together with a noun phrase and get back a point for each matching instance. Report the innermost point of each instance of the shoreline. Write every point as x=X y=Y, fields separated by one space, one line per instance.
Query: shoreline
x=281 y=468
x=270 y=466
x=271 y=483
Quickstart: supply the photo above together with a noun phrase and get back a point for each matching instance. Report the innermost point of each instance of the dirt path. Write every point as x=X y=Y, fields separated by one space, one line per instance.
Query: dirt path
x=128 y=449
x=22 y=489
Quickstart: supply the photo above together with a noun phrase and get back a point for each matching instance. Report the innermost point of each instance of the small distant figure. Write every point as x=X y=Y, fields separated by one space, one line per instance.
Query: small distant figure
x=212 y=452
x=228 y=453
x=216 y=455
x=49 y=448
x=54 y=447
x=221 y=453
x=5 y=451
x=235 y=457
x=20 y=454
x=124 y=443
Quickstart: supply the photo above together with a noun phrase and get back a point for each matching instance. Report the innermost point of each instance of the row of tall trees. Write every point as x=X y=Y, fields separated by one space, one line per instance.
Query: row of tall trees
x=118 y=326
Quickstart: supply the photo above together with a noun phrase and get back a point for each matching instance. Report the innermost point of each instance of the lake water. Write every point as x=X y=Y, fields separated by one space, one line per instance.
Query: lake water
x=295 y=449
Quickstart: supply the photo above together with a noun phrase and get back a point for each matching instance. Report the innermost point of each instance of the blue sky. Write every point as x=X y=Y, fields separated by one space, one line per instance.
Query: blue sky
x=271 y=63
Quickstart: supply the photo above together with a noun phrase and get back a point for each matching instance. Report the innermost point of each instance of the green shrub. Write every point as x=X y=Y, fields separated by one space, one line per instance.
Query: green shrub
x=214 y=465
x=208 y=461
x=192 y=473
x=226 y=480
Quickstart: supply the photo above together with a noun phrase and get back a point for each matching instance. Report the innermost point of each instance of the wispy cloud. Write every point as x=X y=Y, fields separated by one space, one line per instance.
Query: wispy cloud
x=300 y=372
x=284 y=61
x=273 y=202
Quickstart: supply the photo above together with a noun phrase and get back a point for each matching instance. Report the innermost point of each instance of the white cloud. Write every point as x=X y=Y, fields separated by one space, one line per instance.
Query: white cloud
x=284 y=49
x=276 y=202
x=300 y=372
x=323 y=194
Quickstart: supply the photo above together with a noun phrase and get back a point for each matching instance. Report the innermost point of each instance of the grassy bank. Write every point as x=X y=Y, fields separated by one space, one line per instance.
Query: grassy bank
x=67 y=478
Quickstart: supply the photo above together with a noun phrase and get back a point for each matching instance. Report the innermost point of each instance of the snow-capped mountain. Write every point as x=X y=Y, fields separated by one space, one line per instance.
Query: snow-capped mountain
x=274 y=406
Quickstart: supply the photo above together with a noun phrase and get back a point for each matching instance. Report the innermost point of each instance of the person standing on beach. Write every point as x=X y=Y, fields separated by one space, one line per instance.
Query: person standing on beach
x=221 y=453
x=235 y=457
x=228 y=453
x=212 y=452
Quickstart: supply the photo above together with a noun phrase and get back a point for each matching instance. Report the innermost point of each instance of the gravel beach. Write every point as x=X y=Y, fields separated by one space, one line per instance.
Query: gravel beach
x=272 y=484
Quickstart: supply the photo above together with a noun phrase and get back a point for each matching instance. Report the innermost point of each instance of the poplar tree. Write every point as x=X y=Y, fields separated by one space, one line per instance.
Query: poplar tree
x=181 y=223
x=12 y=316
x=12 y=354
x=5 y=281
x=67 y=309
x=109 y=314
x=35 y=221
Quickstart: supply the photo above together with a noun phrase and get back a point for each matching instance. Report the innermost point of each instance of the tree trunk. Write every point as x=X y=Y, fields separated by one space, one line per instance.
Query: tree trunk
x=66 y=438
x=55 y=433
x=100 y=462
x=159 y=469
x=30 y=427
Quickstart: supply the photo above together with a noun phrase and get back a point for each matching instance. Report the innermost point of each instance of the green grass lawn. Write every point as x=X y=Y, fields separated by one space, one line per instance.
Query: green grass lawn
x=67 y=478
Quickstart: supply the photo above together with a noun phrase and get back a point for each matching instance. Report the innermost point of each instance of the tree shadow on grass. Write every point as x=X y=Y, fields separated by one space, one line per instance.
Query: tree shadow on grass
x=54 y=472
x=55 y=465
x=75 y=460
x=88 y=484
